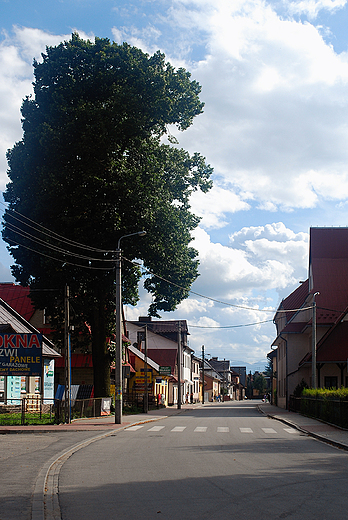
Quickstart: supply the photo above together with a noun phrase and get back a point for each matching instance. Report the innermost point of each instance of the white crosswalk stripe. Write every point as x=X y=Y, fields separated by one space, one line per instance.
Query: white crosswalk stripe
x=204 y=429
x=156 y=429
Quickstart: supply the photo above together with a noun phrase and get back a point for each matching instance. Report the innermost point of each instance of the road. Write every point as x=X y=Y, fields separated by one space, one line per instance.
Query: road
x=218 y=462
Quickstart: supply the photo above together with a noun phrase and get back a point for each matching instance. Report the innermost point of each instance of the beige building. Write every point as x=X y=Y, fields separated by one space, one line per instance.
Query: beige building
x=326 y=289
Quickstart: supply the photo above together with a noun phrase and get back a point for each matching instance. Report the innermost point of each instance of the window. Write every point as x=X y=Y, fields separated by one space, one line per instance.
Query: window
x=330 y=381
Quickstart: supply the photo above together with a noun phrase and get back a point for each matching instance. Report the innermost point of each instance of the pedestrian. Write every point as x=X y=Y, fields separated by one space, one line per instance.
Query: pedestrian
x=191 y=396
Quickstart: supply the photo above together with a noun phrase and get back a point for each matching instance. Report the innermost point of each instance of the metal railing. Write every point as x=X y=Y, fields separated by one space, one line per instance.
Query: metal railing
x=36 y=410
x=333 y=411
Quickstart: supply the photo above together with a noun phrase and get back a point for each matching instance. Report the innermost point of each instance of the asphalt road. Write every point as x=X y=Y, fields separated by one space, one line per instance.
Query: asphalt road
x=218 y=462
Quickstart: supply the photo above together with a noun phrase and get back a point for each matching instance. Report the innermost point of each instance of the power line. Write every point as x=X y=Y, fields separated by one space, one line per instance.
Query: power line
x=66 y=261
x=49 y=232
x=229 y=326
x=147 y=271
x=25 y=234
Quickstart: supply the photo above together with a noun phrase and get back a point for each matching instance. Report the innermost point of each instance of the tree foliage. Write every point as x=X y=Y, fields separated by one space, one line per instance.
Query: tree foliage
x=91 y=167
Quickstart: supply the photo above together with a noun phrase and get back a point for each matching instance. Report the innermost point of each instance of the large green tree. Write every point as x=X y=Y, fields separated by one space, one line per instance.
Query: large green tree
x=92 y=167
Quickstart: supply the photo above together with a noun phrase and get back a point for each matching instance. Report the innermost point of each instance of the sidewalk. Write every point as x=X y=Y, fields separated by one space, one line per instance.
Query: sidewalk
x=325 y=432
x=97 y=423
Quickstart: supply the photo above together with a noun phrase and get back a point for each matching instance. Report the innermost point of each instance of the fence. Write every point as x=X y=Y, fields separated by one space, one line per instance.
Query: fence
x=333 y=411
x=28 y=410
x=35 y=410
x=133 y=402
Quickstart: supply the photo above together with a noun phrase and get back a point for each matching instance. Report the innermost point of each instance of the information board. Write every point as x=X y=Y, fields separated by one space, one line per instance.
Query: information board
x=20 y=354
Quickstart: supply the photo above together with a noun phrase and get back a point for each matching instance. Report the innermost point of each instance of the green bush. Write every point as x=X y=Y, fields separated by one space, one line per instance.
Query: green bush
x=326 y=393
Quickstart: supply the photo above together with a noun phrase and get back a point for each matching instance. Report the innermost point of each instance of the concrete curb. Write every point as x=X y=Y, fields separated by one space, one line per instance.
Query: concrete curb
x=321 y=438
x=45 y=501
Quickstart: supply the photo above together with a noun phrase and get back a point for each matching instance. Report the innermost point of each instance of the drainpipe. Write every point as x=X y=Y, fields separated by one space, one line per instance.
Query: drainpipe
x=286 y=372
x=314 y=343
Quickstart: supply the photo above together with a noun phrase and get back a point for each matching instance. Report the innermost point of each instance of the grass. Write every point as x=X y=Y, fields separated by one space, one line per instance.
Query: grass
x=15 y=419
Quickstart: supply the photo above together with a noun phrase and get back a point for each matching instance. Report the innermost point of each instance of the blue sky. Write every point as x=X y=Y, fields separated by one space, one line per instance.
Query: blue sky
x=274 y=78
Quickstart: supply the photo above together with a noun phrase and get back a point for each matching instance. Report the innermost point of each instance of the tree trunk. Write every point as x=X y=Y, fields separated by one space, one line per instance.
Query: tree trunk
x=100 y=354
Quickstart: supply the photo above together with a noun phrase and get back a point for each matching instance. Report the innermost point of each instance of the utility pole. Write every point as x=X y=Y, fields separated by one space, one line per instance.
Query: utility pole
x=203 y=374
x=179 y=365
x=146 y=395
x=67 y=356
x=118 y=329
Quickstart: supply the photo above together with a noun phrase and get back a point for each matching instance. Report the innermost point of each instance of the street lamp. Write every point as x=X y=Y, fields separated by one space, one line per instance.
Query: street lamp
x=118 y=339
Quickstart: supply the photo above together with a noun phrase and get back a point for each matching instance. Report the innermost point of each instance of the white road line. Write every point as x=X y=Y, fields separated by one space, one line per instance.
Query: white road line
x=246 y=430
x=268 y=430
x=156 y=429
x=290 y=430
x=134 y=428
x=178 y=429
x=201 y=429
x=223 y=429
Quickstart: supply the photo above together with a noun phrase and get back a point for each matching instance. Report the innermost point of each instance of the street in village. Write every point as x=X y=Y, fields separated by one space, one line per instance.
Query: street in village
x=220 y=460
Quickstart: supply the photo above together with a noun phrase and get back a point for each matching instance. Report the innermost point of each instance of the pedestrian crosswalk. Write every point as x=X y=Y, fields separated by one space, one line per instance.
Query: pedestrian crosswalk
x=204 y=429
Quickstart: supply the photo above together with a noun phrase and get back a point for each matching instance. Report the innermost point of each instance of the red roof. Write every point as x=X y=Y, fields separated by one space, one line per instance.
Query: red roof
x=18 y=298
x=77 y=361
x=164 y=357
x=295 y=300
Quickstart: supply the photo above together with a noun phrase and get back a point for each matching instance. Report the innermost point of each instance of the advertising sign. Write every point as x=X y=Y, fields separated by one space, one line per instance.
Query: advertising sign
x=20 y=354
x=48 y=380
x=13 y=390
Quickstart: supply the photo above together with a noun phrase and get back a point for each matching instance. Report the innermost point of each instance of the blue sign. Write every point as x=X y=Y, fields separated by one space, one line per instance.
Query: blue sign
x=20 y=354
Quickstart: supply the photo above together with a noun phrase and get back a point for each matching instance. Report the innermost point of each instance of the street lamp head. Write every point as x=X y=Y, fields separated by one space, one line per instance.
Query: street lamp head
x=138 y=233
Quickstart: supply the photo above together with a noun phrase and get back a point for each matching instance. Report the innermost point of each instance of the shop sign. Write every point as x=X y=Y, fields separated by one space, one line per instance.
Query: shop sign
x=20 y=354
x=165 y=371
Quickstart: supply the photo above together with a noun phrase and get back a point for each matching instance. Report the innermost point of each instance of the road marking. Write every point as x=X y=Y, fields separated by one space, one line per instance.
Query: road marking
x=223 y=429
x=246 y=430
x=268 y=430
x=134 y=428
x=156 y=429
x=201 y=429
x=290 y=430
x=178 y=429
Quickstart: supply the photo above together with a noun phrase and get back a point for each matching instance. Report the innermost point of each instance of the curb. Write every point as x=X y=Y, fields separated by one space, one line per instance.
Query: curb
x=316 y=436
x=45 y=500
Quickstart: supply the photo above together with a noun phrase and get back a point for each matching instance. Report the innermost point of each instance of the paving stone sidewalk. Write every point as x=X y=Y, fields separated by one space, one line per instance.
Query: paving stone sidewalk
x=326 y=432
x=97 y=423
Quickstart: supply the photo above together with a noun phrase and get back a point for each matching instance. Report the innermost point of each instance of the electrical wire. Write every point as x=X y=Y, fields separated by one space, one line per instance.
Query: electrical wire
x=229 y=326
x=27 y=235
x=63 y=261
x=147 y=271
x=51 y=233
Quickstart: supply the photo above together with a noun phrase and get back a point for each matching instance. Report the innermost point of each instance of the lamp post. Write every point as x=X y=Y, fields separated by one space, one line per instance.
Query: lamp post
x=118 y=339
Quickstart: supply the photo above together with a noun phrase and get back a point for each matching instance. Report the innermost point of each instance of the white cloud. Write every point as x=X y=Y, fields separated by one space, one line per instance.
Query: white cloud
x=213 y=206
x=17 y=51
x=261 y=258
x=276 y=108
x=312 y=7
